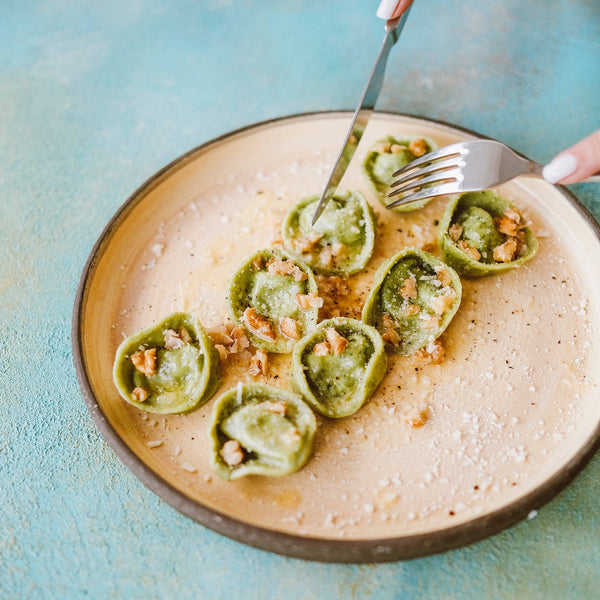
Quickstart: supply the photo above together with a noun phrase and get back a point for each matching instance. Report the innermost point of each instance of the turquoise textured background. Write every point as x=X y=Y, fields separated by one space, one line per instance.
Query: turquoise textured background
x=97 y=96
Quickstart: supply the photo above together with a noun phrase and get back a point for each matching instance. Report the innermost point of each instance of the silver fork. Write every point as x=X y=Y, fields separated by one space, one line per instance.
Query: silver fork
x=462 y=167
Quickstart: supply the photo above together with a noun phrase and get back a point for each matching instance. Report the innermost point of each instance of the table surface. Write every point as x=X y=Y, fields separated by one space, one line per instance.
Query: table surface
x=97 y=96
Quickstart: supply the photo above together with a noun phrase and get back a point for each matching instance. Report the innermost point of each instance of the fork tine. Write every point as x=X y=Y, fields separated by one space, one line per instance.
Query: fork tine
x=420 y=173
x=451 y=175
x=441 y=153
x=440 y=190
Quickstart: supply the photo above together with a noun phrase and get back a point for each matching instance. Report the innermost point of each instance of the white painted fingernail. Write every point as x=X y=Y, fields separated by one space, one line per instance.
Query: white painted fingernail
x=386 y=9
x=562 y=166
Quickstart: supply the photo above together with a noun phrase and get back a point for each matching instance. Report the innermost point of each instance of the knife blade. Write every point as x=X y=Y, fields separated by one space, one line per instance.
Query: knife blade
x=362 y=114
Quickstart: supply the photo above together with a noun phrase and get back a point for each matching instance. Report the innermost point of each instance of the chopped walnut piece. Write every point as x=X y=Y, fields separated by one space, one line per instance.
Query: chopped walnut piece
x=443 y=276
x=258 y=263
x=409 y=288
x=443 y=301
x=286 y=267
x=390 y=334
x=259 y=363
x=383 y=147
x=416 y=417
x=145 y=361
x=258 y=324
x=455 y=231
x=322 y=349
x=509 y=223
x=521 y=243
x=430 y=321
x=232 y=453
x=176 y=339
x=469 y=250
x=506 y=252
x=279 y=407
x=289 y=328
x=418 y=147
x=507 y=226
x=304 y=245
x=139 y=394
x=337 y=342
x=223 y=352
x=220 y=336
x=410 y=309
x=309 y=301
x=432 y=354
x=239 y=340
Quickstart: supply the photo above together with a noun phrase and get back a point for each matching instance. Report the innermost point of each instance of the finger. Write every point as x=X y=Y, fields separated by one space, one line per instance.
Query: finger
x=575 y=163
x=392 y=9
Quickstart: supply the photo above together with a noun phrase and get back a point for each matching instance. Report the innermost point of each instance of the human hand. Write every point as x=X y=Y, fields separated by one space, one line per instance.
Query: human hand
x=575 y=163
x=392 y=9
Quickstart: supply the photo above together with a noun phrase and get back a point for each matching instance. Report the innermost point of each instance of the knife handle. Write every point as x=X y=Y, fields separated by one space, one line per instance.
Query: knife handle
x=392 y=9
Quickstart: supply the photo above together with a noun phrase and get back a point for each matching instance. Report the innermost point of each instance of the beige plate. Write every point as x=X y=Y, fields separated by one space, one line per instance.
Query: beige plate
x=511 y=415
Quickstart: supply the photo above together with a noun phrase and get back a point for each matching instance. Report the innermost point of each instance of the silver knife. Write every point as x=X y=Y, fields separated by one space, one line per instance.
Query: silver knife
x=363 y=112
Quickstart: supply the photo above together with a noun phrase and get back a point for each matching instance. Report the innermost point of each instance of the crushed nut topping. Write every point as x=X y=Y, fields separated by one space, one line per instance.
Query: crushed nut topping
x=145 y=361
x=509 y=223
x=469 y=250
x=337 y=342
x=409 y=288
x=416 y=417
x=259 y=363
x=383 y=147
x=258 y=324
x=506 y=252
x=322 y=349
x=418 y=147
x=443 y=301
x=390 y=334
x=430 y=321
x=176 y=339
x=455 y=231
x=222 y=350
x=258 y=263
x=410 y=309
x=139 y=394
x=286 y=267
x=432 y=354
x=240 y=340
x=443 y=276
x=309 y=301
x=232 y=453
x=220 y=336
x=289 y=328
x=279 y=407
x=305 y=245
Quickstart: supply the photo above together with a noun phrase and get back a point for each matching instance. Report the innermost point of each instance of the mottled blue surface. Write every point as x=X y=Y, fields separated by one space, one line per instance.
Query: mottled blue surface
x=97 y=96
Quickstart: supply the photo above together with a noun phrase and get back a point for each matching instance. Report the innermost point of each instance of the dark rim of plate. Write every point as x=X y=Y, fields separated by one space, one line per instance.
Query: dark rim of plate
x=311 y=548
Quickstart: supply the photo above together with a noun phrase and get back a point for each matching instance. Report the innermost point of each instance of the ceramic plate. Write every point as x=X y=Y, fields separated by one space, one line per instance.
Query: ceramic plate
x=512 y=414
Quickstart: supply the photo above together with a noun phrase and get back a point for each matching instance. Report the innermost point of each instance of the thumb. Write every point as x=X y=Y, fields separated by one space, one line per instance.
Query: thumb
x=575 y=163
